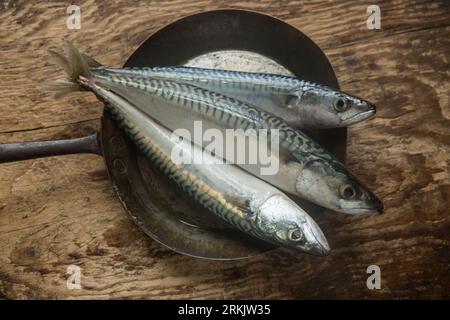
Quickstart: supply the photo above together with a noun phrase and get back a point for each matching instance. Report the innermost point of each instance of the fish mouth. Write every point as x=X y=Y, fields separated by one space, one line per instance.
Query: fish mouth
x=371 y=206
x=360 y=210
x=319 y=250
x=359 y=116
x=318 y=244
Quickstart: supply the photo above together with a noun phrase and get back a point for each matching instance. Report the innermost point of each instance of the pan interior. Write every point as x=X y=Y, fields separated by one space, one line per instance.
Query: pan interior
x=238 y=60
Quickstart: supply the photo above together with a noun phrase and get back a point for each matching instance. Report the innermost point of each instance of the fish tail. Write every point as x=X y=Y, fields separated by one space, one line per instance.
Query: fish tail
x=60 y=88
x=76 y=65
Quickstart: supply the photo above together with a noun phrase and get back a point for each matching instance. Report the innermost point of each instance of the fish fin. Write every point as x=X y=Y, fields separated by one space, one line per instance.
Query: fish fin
x=92 y=63
x=242 y=203
x=290 y=97
x=281 y=100
x=60 y=88
x=60 y=60
x=75 y=64
x=78 y=65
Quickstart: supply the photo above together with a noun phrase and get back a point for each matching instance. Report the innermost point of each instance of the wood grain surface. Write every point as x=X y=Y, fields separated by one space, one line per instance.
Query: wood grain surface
x=61 y=211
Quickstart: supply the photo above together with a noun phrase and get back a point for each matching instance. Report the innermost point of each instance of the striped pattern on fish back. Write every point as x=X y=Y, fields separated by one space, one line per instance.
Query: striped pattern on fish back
x=229 y=112
x=226 y=79
x=188 y=182
x=239 y=80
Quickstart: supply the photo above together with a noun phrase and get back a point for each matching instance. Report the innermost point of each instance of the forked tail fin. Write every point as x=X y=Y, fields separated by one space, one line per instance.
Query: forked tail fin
x=75 y=64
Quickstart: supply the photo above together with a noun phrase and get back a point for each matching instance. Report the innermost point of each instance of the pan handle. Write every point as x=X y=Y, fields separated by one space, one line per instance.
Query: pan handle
x=30 y=150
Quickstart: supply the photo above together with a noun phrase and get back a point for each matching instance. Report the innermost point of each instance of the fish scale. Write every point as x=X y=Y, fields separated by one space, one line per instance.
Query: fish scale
x=257 y=208
x=299 y=102
x=315 y=176
x=237 y=79
x=237 y=112
x=186 y=181
x=305 y=169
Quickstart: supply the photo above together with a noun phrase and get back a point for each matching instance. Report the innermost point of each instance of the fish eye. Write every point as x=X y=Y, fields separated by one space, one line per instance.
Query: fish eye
x=341 y=105
x=295 y=234
x=347 y=192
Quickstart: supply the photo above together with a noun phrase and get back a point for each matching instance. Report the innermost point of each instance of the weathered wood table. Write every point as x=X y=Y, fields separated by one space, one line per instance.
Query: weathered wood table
x=61 y=211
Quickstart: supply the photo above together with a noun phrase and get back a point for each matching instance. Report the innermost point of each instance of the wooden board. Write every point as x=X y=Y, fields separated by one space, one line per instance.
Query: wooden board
x=61 y=211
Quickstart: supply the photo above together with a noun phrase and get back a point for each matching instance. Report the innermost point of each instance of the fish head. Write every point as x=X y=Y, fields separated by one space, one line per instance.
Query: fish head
x=285 y=222
x=336 y=189
x=323 y=107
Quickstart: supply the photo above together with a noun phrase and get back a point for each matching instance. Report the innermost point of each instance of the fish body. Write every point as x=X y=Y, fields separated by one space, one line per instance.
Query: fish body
x=237 y=197
x=302 y=104
x=305 y=168
x=244 y=201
